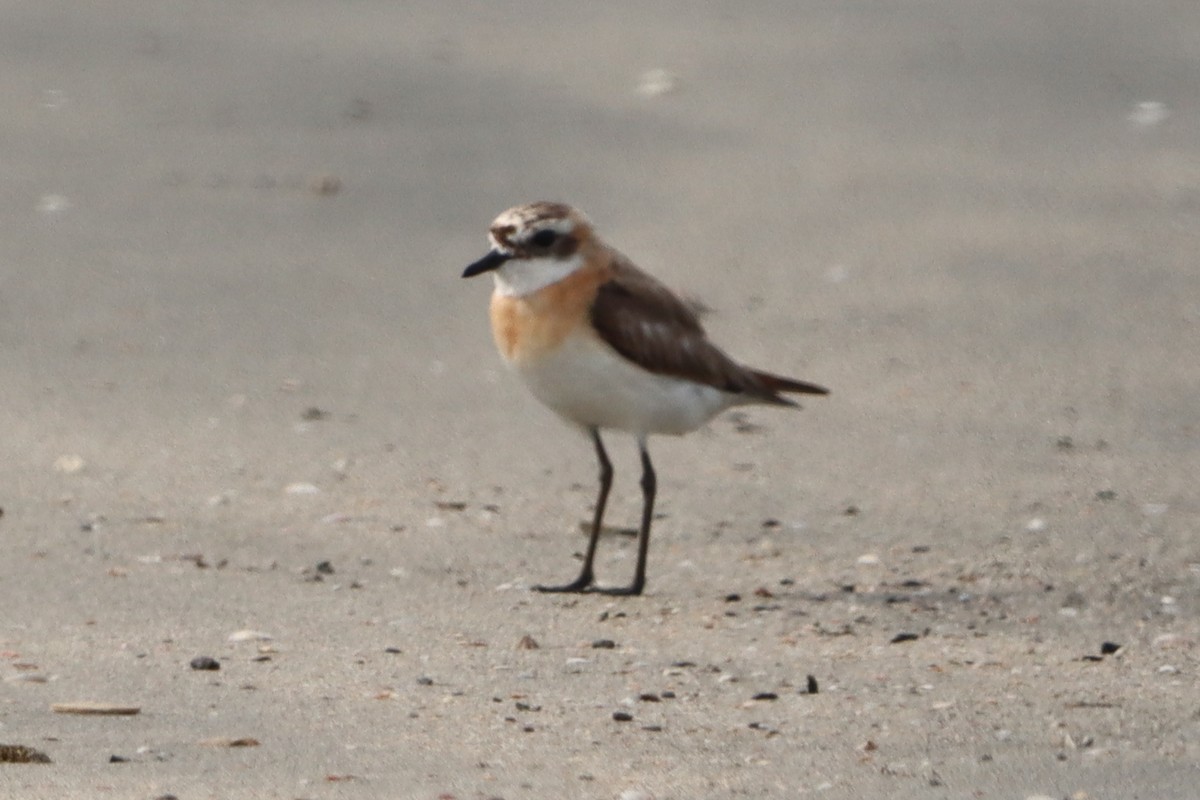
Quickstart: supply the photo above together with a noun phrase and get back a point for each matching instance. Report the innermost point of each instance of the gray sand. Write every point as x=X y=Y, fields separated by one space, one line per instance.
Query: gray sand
x=977 y=222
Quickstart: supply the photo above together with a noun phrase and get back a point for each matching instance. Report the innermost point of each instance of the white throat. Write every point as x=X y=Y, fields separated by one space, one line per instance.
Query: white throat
x=519 y=277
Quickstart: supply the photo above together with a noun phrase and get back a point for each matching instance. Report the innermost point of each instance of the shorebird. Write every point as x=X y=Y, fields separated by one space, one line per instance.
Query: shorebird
x=608 y=347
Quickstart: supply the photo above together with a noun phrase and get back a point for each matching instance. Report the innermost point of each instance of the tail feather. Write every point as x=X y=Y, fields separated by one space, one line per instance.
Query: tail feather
x=777 y=383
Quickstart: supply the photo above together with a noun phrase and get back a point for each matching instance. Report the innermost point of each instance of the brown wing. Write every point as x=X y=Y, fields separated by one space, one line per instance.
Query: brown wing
x=646 y=323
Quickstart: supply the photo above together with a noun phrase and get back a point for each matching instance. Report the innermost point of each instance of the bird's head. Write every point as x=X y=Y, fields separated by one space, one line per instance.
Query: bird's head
x=533 y=246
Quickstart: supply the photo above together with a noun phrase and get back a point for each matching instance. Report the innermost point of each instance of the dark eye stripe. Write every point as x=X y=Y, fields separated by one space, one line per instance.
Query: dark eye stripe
x=544 y=238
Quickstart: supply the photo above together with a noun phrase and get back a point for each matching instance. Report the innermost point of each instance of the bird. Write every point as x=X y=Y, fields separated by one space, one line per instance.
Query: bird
x=608 y=347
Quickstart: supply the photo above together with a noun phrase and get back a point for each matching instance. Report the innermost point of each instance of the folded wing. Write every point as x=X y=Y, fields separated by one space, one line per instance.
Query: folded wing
x=648 y=324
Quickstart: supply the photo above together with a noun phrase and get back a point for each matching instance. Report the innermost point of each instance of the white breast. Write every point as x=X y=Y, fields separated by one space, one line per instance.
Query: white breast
x=588 y=383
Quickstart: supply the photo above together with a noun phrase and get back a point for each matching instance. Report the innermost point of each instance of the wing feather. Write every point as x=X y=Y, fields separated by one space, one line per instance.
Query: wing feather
x=648 y=324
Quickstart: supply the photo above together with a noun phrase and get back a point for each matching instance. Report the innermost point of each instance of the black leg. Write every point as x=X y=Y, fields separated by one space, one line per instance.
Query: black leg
x=586 y=577
x=649 y=484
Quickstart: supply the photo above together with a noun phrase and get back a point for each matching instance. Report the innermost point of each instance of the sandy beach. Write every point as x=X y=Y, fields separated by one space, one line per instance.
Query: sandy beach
x=251 y=413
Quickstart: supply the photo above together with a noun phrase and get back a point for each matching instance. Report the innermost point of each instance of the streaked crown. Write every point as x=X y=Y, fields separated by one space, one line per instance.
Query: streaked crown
x=540 y=230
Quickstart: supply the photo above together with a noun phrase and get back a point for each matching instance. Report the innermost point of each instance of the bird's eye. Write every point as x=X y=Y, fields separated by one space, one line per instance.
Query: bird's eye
x=544 y=238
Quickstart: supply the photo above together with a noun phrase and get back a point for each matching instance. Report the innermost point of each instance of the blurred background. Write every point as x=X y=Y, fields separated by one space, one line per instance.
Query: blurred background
x=977 y=222
x=232 y=323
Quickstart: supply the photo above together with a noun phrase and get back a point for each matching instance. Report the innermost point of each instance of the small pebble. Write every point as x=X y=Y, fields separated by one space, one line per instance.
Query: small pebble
x=204 y=663
x=53 y=204
x=225 y=741
x=424 y=680
x=812 y=685
x=905 y=637
x=325 y=185
x=622 y=716
x=765 y=696
x=358 y=109
x=114 y=759
x=1109 y=648
x=69 y=464
x=247 y=635
x=157 y=755
x=1171 y=641
x=20 y=754
x=604 y=644
x=1149 y=113
x=27 y=677
x=657 y=82
x=527 y=642
x=301 y=488
x=635 y=794
x=1074 y=600
x=88 y=707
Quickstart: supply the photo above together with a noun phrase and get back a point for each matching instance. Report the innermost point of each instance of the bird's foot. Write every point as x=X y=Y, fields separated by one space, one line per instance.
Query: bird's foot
x=586 y=587
x=584 y=584
x=578 y=586
x=633 y=590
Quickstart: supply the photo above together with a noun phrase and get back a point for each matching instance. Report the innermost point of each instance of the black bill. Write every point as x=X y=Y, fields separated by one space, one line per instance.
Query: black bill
x=486 y=264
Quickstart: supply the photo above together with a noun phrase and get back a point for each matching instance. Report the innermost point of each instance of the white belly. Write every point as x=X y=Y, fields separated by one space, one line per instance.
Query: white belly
x=589 y=384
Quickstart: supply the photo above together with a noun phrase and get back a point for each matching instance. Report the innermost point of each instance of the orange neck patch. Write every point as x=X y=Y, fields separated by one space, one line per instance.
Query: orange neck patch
x=530 y=326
